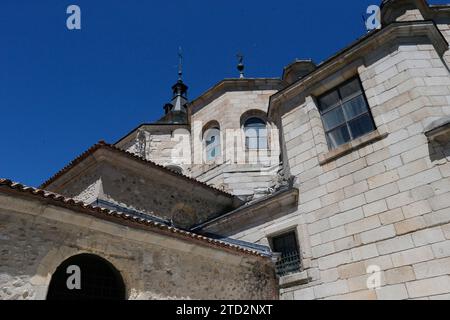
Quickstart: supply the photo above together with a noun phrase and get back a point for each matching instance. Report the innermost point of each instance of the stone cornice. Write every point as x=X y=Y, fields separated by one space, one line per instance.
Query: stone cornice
x=439 y=130
x=429 y=12
x=389 y=34
x=97 y=153
x=152 y=126
x=227 y=85
x=284 y=196
x=15 y=197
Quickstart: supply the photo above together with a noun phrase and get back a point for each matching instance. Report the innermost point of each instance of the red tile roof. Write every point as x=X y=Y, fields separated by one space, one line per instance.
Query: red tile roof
x=8 y=186
x=113 y=148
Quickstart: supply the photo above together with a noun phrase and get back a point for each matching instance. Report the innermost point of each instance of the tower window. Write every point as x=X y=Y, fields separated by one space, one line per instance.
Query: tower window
x=345 y=113
x=212 y=143
x=255 y=134
x=287 y=245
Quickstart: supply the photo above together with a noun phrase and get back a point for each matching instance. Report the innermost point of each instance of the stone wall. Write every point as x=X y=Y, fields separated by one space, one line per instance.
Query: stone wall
x=163 y=144
x=128 y=183
x=382 y=200
x=35 y=238
x=246 y=178
x=383 y=204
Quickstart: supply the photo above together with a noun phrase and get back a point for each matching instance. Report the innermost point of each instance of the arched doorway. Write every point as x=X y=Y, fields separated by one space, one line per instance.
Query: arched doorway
x=86 y=277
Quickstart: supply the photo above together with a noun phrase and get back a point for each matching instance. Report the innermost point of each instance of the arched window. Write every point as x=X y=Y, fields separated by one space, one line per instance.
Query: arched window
x=212 y=143
x=255 y=134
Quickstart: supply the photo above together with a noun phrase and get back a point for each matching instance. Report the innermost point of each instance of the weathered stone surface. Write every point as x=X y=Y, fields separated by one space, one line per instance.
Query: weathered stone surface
x=152 y=266
x=379 y=202
x=131 y=184
x=394 y=292
x=412 y=256
x=433 y=268
x=385 y=201
x=428 y=287
x=400 y=275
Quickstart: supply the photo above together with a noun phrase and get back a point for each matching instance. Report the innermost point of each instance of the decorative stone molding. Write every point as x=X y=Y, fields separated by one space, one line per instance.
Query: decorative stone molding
x=228 y=85
x=295 y=279
x=391 y=34
x=351 y=146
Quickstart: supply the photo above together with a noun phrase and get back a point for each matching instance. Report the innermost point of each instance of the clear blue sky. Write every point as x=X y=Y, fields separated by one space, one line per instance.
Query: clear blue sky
x=62 y=91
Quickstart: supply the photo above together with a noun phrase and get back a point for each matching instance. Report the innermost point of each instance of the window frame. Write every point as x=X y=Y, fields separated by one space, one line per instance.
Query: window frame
x=258 y=136
x=340 y=104
x=217 y=147
x=286 y=233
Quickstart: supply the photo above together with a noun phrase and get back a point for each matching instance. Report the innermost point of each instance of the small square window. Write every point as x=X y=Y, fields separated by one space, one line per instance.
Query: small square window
x=287 y=246
x=345 y=113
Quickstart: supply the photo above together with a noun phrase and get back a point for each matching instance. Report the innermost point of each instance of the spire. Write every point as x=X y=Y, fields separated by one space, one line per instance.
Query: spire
x=179 y=89
x=180 y=64
x=240 y=65
x=175 y=111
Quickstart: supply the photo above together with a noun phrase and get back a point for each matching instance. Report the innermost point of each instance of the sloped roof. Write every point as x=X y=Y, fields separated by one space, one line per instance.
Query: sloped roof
x=246 y=209
x=393 y=30
x=226 y=85
x=8 y=186
x=167 y=126
x=113 y=148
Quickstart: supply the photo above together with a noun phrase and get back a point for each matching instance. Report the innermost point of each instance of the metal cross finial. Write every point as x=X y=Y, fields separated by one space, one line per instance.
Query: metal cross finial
x=180 y=64
x=240 y=65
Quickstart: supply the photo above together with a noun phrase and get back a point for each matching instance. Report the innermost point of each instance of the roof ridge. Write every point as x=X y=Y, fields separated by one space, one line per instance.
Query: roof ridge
x=103 y=144
x=72 y=203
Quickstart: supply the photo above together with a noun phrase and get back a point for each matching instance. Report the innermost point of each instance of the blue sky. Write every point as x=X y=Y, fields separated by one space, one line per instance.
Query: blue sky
x=62 y=91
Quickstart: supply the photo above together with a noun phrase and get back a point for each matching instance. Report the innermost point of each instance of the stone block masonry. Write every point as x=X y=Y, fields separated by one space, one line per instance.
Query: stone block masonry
x=380 y=202
x=35 y=239
x=381 y=213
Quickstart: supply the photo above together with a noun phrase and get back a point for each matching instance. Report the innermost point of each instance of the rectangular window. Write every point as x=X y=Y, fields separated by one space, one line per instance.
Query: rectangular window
x=256 y=139
x=345 y=113
x=287 y=246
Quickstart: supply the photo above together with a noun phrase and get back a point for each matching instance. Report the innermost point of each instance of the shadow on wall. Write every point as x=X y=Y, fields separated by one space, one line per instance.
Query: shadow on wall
x=439 y=151
x=438 y=134
x=86 y=277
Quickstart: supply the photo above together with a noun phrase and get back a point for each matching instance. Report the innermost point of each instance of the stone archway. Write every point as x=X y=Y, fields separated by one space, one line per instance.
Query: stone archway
x=98 y=280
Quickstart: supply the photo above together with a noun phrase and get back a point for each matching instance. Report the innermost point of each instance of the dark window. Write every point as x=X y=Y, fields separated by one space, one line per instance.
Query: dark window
x=287 y=246
x=99 y=280
x=345 y=113
x=175 y=168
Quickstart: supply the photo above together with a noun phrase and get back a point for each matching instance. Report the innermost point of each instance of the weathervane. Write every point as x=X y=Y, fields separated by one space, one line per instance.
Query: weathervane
x=240 y=65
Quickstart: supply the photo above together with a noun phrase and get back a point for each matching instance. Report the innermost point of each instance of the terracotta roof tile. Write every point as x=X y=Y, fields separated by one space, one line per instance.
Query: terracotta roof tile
x=120 y=217
x=113 y=148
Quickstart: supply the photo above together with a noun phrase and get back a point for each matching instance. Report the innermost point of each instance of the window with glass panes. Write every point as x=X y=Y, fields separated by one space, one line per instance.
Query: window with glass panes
x=345 y=113
x=255 y=134
x=212 y=143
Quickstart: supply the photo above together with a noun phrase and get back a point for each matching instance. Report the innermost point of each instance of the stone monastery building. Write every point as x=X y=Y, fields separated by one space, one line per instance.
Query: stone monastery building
x=332 y=182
